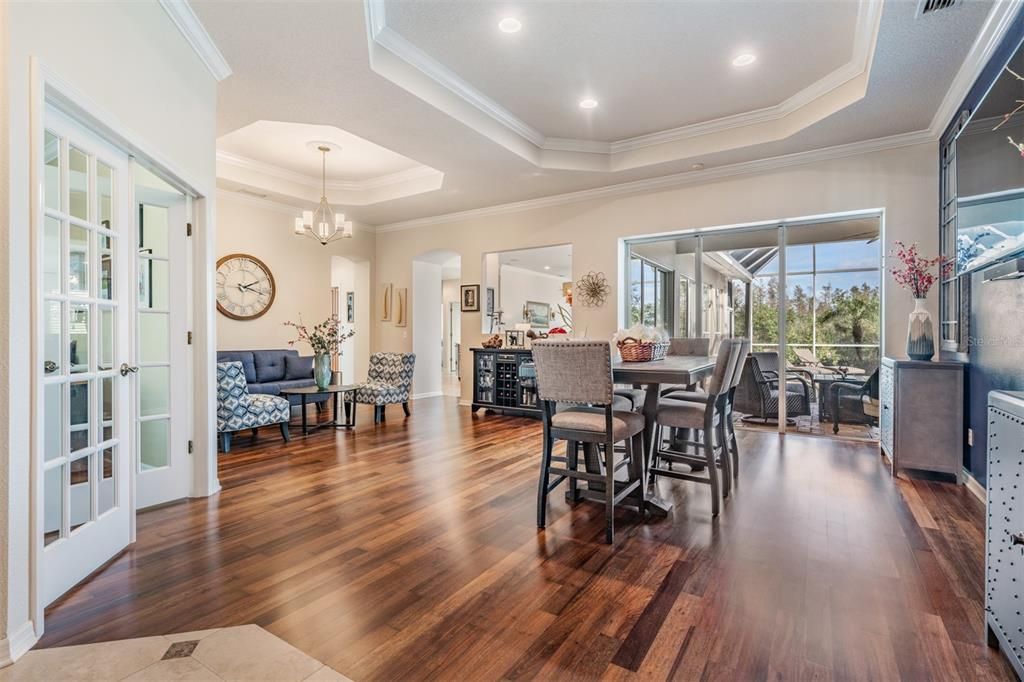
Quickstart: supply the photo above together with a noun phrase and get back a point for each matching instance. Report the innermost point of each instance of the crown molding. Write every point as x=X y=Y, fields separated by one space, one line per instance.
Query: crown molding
x=389 y=51
x=245 y=163
x=676 y=180
x=991 y=35
x=184 y=17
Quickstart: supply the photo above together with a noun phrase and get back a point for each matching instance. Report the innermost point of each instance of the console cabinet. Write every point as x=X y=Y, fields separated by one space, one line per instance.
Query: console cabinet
x=922 y=421
x=505 y=380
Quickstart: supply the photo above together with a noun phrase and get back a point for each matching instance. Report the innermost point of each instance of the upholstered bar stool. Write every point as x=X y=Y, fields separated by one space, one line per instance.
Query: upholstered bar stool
x=579 y=373
x=702 y=416
x=727 y=427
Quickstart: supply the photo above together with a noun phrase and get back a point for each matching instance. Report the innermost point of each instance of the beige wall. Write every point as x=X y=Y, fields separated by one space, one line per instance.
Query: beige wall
x=902 y=181
x=301 y=269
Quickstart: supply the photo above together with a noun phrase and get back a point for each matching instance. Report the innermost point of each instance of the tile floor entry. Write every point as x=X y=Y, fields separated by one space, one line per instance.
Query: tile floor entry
x=246 y=652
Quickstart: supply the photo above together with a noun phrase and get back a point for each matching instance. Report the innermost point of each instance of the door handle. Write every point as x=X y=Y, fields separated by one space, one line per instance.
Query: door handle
x=126 y=369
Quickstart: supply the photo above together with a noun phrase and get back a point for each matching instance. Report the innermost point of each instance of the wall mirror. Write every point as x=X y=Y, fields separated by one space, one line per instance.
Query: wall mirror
x=527 y=289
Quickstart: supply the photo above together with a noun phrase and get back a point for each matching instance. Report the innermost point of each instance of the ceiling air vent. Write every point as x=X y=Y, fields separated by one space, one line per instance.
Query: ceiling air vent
x=251 y=193
x=925 y=7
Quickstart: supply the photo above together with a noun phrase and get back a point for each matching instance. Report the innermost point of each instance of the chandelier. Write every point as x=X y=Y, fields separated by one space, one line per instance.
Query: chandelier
x=323 y=224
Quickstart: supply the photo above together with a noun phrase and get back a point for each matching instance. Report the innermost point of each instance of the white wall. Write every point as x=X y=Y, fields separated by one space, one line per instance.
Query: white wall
x=517 y=286
x=426 y=302
x=449 y=295
x=163 y=98
x=354 y=276
x=302 y=270
x=903 y=182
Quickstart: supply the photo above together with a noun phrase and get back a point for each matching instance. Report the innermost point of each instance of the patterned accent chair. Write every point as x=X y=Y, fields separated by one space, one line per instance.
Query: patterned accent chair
x=387 y=382
x=237 y=409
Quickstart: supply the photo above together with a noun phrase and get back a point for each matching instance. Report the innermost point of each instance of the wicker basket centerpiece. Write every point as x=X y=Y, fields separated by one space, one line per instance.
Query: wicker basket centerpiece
x=641 y=344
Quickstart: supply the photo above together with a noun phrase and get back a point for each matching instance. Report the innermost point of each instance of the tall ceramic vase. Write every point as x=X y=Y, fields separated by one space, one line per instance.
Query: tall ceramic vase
x=322 y=370
x=920 y=334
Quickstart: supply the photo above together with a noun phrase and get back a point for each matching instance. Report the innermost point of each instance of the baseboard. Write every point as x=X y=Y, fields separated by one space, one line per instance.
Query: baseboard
x=465 y=403
x=15 y=646
x=974 y=487
x=431 y=394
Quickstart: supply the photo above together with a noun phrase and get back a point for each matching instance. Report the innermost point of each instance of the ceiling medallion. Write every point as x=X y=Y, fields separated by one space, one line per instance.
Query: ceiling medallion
x=323 y=224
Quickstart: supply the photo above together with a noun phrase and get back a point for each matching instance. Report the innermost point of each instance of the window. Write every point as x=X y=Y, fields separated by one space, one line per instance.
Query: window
x=832 y=303
x=685 y=291
x=650 y=290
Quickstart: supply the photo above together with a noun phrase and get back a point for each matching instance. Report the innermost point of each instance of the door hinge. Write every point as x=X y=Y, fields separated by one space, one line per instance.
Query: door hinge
x=188 y=229
x=190 y=338
x=190 y=447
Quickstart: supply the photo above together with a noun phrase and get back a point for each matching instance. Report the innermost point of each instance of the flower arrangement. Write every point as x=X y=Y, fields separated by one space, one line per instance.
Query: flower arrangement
x=914 y=272
x=325 y=338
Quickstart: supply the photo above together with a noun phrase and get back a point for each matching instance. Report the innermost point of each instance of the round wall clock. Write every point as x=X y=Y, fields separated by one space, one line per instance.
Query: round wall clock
x=245 y=287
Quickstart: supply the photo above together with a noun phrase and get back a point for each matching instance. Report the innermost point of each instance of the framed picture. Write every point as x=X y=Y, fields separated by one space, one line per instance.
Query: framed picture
x=515 y=338
x=385 y=302
x=490 y=301
x=350 y=306
x=401 y=307
x=470 y=294
x=537 y=314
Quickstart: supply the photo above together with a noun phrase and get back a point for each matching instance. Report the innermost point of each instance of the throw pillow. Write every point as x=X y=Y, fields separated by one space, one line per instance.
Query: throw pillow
x=298 y=367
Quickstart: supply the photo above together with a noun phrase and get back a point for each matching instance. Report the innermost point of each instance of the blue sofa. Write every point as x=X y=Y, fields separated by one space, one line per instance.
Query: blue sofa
x=265 y=372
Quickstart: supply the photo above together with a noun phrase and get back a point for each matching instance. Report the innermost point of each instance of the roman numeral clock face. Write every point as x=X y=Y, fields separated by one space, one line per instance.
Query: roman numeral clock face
x=245 y=287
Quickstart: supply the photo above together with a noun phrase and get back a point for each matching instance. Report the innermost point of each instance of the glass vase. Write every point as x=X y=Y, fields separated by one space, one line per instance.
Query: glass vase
x=322 y=370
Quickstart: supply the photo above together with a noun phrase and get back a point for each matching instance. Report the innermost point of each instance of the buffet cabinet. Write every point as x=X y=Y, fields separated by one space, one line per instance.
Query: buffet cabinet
x=1004 y=535
x=505 y=380
x=921 y=425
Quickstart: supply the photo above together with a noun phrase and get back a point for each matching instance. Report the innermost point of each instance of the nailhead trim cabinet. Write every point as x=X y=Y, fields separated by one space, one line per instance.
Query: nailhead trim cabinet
x=1004 y=533
x=922 y=420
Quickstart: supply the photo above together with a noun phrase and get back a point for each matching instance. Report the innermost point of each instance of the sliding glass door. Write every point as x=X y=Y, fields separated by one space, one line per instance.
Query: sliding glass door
x=807 y=294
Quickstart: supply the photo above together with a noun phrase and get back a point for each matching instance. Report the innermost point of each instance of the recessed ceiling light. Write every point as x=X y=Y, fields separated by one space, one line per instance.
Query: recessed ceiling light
x=745 y=59
x=510 y=25
x=588 y=103
x=697 y=166
x=547 y=267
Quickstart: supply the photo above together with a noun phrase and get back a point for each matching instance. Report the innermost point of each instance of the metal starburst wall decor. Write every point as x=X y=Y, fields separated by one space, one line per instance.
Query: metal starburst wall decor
x=592 y=289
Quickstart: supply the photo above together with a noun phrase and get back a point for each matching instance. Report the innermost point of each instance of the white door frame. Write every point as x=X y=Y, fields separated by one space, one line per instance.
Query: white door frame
x=46 y=88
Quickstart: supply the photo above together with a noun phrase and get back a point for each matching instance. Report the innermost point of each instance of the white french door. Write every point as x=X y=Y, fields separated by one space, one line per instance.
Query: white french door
x=83 y=303
x=161 y=391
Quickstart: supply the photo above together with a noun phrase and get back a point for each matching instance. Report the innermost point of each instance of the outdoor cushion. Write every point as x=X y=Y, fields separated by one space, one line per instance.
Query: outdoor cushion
x=298 y=366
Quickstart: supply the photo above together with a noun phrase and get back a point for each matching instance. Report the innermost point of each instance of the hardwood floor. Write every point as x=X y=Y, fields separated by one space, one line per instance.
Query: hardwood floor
x=409 y=551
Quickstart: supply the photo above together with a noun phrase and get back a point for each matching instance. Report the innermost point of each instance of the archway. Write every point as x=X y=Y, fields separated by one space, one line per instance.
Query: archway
x=436 y=322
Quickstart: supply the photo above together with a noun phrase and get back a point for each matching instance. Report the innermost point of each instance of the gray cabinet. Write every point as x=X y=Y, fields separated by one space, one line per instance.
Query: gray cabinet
x=1004 y=535
x=922 y=420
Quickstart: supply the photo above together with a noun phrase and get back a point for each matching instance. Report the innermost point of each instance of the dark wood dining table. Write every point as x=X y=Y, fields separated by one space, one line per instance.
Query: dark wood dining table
x=685 y=370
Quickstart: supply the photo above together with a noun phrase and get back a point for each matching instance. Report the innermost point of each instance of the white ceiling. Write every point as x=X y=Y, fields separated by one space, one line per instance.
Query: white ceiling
x=334 y=84
x=651 y=65
x=286 y=145
x=546 y=260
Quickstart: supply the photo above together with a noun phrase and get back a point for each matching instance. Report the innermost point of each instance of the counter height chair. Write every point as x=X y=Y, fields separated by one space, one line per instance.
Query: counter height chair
x=726 y=414
x=703 y=415
x=579 y=374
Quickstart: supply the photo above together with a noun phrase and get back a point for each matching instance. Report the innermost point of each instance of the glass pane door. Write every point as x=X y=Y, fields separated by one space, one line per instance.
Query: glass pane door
x=163 y=469
x=82 y=332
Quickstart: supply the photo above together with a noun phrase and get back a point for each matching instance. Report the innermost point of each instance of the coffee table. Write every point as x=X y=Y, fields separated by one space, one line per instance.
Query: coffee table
x=346 y=393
